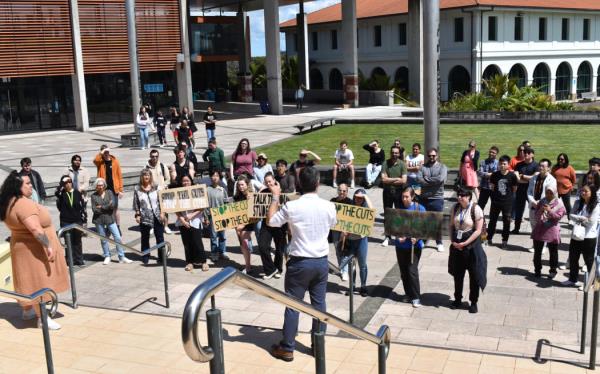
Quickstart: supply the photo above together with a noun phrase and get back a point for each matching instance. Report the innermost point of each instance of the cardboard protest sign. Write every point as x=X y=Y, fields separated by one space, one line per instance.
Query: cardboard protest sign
x=258 y=203
x=228 y=216
x=354 y=219
x=174 y=200
x=414 y=224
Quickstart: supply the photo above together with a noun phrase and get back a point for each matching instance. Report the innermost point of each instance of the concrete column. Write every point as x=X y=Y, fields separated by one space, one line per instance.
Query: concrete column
x=274 y=87
x=431 y=58
x=476 y=66
x=82 y=122
x=415 y=46
x=595 y=85
x=302 y=52
x=134 y=71
x=574 y=88
x=184 y=69
x=244 y=76
x=349 y=51
x=552 y=91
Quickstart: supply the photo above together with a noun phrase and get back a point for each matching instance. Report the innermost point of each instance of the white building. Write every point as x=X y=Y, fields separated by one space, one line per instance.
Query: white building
x=554 y=44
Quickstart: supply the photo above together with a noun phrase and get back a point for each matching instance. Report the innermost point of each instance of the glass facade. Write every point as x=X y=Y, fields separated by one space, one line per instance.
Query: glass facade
x=214 y=39
x=38 y=103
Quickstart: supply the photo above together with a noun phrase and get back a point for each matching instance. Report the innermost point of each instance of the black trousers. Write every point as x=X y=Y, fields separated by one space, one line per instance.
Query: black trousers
x=580 y=247
x=464 y=261
x=159 y=230
x=409 y=272
x=484 y=196
x=192 y=244
x=75 y=244
x=538 y=246
x=566 y=199
x=495 y=210
x=391 y=199
x=266 y=235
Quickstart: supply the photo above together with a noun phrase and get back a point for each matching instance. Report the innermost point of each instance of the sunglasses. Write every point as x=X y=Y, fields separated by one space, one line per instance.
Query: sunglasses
x=431 y=155
x=463 y=195
x=342 y=191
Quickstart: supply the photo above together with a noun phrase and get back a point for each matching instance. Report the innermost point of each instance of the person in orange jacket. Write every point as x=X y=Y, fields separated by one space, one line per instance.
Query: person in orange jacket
x=109 y=168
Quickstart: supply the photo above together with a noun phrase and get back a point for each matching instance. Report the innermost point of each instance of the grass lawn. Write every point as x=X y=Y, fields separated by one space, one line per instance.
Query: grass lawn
x=579 y=142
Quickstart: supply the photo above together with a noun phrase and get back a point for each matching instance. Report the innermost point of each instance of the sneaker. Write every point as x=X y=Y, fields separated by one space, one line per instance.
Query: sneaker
x=269 y=276
x=552 y=274
x=580 y=288
x=416 y=303
x=352 y=184
x=568 y=283
x=363 y=292
x=189 y=267
x=280 y=353
x=168 y=230
x=440 y=248
x=344 y=276
x=385 y=242
x=530 y=250
x=504 y=244
x=52 y=325
x=106 y=261
x=473 y=308
x=205 y=267
x=244 y=271
x=152 y=231
x=277 y=275
x=28 y=315
x=124 y=260
x=335 y=184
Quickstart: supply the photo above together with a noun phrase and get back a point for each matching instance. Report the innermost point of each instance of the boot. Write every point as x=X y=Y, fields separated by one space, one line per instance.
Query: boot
x=517 y=227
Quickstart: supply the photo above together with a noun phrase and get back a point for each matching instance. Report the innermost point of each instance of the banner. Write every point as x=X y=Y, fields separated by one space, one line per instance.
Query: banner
x=228 y=216
x=174 y=200
x=354 y=219
x=258 y=203
x=414 y=224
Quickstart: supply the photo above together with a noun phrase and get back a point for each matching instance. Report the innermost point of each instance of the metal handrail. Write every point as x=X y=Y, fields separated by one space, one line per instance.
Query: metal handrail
x=351 y=262
x=39 y=294
x=165 y=247
x=229 y=275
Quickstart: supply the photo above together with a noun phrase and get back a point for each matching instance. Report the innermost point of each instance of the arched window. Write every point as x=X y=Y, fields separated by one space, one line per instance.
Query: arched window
x=401 y=78
x=563 y=81
x=584 y=78
x=378 y=71
x=519 y=75
x=541 y=78
x=316 y=79
x=336 y=80
x=459 y=81
x=489 y=73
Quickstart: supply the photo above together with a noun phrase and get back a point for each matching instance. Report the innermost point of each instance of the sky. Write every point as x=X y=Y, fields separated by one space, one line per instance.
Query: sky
x=257 y=26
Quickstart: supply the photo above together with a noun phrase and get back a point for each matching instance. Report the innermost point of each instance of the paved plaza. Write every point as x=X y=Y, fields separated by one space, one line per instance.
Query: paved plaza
x=516 y=310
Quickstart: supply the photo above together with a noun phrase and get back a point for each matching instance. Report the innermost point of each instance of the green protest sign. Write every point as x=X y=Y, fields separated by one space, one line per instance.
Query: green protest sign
x=414 y=224
x=354 y=219
x=228 y=216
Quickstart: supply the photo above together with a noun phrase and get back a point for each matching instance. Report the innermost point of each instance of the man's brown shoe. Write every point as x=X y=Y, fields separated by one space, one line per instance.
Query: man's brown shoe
x=280 y=353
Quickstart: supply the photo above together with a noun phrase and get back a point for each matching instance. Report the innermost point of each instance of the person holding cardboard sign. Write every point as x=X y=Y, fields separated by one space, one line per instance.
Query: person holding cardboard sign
x=360 y=244
x=190 y=226
x=244 y=232
x=268 y=234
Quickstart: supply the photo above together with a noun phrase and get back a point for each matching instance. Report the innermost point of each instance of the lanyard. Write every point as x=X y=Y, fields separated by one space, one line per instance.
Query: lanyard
x=70 y=197
x=461 y=215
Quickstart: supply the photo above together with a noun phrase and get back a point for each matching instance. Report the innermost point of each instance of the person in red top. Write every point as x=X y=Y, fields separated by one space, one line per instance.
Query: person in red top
x=565 y=179
x=242 y=160
x=518 y=158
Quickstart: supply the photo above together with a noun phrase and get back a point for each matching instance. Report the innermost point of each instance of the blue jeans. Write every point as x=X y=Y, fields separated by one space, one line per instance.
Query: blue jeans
x=341 y=258
x=433 y=205
x=359 y=249
x=114 y=230
x=210 y=133
x=303 y=274
x=217 y=239
x=144 y=136
x=372 y=172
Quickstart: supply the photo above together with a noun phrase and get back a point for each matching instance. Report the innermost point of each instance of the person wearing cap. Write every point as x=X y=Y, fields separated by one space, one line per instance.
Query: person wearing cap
x=262 y=167
x=70 y=204
x=524 y=170
x=109 y=169
x=344 y=159
x=301 y=163
x=548 y=212
x=358 y=245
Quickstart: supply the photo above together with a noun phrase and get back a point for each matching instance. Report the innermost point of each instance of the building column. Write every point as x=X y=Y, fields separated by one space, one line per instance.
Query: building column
x=184 y=64
x=476 y=65
x=302 y=52
x=82 y=121
x=244 y=76
x=552 y=88
x=415 y=46
x=574 y=88
x=431 y=58
x=350 y=53
x=274 y=88
x=134 y=72
x=595 y=85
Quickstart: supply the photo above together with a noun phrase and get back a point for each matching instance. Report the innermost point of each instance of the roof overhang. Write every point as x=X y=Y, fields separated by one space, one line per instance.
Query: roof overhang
x=233 y=5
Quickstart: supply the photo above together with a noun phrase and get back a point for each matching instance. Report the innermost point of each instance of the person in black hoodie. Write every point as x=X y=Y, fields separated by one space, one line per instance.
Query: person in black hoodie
x=36 y=179
x=70 y=204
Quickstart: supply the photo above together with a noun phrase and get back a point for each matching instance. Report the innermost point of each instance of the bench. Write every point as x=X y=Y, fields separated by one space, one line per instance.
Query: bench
x=588 y=95
x=319 y=122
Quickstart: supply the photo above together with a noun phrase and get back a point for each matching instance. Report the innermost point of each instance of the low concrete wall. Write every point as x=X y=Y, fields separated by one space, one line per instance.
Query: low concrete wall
x=523 y=117
x=367 y=98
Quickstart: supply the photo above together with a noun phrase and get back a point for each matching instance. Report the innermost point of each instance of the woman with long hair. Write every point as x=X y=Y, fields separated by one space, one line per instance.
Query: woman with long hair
x=548 y=213
x=566 y=178
x=143 y=123
x=358 y=245
x=242 y=160
x=190 y=227
x=243 y=188
x=36 y=254
x=147 y=212
x=189 y=117
x=469 y=162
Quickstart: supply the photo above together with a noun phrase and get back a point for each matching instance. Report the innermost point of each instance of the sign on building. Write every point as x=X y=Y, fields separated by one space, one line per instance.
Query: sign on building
x=180 y=199
x=354 y=219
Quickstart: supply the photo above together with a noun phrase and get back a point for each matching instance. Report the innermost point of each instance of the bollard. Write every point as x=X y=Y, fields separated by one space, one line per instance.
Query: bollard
x=69 y=245
x=163 y=251
x=584 y=312
x=594 y=341
x=46 y=334
x=319 y=349
x=352 y=274
x=215 y=340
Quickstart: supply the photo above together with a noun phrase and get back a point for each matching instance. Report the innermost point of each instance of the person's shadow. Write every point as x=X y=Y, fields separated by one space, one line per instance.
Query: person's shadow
x=261 y=337
x=12 y=312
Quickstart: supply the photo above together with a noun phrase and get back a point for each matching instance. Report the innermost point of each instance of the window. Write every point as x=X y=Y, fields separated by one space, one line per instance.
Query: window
x=586 y=29
x=377 y=36
x=334 y=39
x=542 y=28
x=518 y=28
x=565 y=29
x=459 y=33
x=315 y=40
x=402 y=34
x=492 y=28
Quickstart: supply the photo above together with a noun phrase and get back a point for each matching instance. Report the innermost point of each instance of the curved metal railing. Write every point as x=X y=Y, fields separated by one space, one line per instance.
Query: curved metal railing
x=165 y=247
x=229 y=276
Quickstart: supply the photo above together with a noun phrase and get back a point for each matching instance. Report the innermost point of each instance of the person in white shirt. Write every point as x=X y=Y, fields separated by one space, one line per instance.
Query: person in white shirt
x=299 y=96
x=309 y=218
x=344 y=159
x=143 y=122
x=537 y=185
x=414 y=162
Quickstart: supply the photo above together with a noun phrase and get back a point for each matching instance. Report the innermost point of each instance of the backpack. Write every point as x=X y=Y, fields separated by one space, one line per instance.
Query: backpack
x=483 y=235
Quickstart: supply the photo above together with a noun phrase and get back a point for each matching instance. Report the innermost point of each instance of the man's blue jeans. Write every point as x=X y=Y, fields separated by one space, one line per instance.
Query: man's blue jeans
x=114 y=230
x=433 y=205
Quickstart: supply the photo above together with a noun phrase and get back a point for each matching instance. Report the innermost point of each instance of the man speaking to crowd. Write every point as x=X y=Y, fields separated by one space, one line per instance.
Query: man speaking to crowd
x=310 y=218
